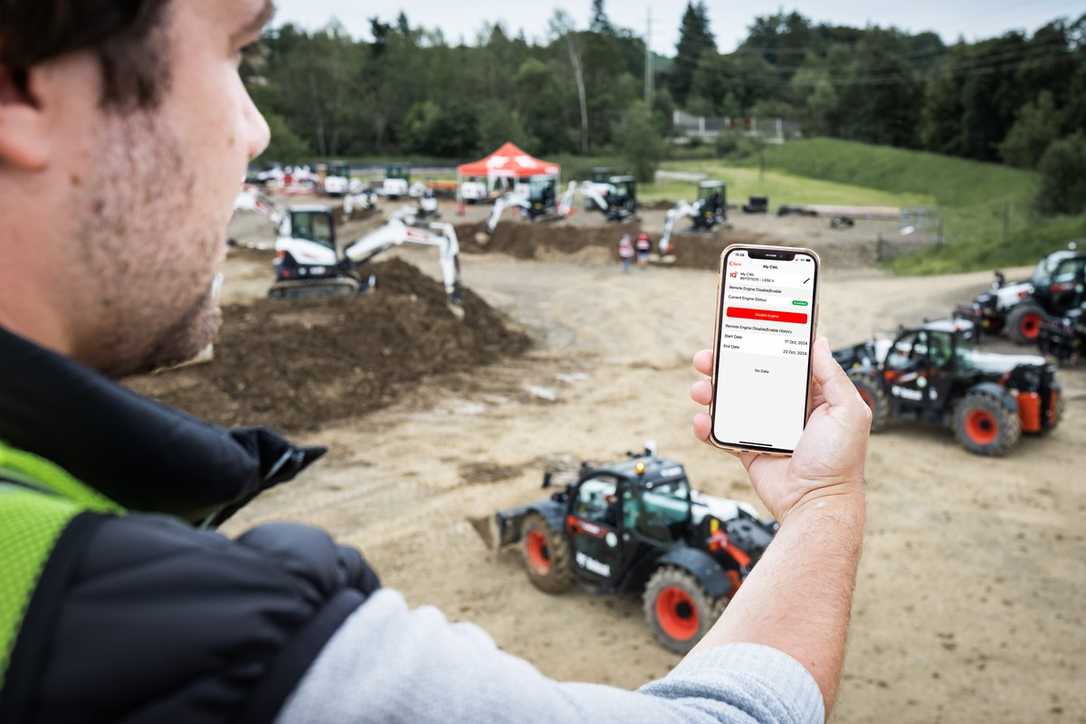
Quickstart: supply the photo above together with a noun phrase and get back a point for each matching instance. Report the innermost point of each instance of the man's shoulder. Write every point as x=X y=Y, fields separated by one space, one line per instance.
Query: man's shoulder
x=182 y=615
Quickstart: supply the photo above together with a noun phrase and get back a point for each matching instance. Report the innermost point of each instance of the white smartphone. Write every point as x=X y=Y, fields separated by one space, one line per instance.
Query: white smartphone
x=767 y=314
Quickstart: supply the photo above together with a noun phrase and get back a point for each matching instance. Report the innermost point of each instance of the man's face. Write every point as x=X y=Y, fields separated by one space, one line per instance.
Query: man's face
x=151 y=193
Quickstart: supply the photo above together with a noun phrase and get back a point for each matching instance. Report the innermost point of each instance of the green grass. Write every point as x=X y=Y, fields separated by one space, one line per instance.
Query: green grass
x=1022 y=247
x=984 y=206
x=781 y=187
x=951 y=181
x=988 y=210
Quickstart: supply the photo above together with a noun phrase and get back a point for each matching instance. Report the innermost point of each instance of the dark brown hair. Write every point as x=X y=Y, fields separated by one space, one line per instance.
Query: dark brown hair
x=126 y=35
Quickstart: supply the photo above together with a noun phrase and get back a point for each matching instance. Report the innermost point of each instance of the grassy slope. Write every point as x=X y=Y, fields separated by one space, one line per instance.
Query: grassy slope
x=781 y=187
x=951 y=181
x=977 y=200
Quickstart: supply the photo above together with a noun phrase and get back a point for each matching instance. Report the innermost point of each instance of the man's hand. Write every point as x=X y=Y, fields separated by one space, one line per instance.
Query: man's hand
x=797 y=598
x=829 y=458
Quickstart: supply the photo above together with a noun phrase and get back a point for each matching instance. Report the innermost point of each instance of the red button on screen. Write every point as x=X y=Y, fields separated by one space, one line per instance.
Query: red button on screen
x=767 y=315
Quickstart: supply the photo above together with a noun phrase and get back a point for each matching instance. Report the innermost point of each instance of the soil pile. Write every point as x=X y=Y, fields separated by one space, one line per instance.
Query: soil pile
x=526 y=240
x=532 y=241
x=295 y=365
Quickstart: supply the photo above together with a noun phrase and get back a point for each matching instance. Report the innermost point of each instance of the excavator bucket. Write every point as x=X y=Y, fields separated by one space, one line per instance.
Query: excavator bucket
x=486 y=527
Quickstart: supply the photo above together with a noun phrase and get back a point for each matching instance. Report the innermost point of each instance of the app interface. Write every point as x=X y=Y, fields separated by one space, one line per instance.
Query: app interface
x=765 y=342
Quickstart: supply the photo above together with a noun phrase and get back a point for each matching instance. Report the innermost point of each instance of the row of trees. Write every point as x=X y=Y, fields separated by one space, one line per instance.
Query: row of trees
x=581 y=90
x=410 y=90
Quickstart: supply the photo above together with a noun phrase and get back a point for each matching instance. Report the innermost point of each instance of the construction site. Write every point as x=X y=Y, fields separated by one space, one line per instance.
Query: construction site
x=437 y=415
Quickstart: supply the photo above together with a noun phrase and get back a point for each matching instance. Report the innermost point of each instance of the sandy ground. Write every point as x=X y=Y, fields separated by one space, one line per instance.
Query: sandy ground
x=969 y=601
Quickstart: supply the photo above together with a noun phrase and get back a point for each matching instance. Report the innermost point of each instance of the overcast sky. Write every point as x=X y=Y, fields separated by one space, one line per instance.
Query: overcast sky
x=950 y=18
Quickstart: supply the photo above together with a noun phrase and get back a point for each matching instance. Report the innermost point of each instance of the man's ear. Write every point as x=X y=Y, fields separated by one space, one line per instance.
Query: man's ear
x=24 y=126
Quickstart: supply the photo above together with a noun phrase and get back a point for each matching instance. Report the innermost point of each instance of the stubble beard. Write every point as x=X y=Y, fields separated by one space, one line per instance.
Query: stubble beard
x=147 y=255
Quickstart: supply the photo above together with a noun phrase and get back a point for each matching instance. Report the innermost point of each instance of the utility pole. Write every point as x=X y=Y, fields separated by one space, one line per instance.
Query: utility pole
x=650 y=73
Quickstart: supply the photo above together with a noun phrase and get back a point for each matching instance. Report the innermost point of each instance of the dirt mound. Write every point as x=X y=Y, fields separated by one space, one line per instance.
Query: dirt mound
x=526 y=240
x=539 y=241
x=299 y=364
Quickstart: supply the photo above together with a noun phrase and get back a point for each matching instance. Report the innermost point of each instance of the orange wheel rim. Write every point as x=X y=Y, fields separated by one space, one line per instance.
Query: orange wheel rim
x=1030 y=325
x=867 y=398
x=677 y=614
x=535 y=545
x=981 y=427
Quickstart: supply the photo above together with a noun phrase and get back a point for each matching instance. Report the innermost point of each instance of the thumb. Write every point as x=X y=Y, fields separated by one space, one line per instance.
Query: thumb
x=837 y=388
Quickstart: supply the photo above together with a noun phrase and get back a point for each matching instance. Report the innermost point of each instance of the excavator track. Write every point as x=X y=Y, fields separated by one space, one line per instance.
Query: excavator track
x=314 y=289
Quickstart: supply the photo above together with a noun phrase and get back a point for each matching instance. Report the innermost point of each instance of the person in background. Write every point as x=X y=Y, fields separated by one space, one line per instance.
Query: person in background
x=644 y=248
x=625 y=252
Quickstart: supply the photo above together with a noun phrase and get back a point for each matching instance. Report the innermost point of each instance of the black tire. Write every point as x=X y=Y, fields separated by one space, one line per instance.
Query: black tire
x=984 y=425
x=547 y=557
x=1024 y=323
x=678 y=610
x=875 y=396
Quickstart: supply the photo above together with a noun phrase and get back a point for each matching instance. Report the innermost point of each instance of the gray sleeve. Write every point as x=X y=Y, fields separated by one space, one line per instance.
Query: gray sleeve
x=391 y=664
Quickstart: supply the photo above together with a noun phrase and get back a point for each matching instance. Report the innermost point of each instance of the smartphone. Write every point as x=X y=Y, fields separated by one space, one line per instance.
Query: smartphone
x=767 y=313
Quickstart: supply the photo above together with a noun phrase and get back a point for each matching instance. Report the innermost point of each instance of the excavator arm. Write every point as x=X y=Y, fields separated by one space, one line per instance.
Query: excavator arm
x=681 y=210
x=397 y=232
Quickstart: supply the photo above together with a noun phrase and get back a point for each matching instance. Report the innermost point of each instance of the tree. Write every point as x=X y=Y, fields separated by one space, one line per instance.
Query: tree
x=640 y=141
x=713 y=79
x=562 y=27
x=499 y=123
x=600 y=22
x=695 y=38
x=286 y=146
x=449 y=132
x=1038 y=125
x=1063 y=177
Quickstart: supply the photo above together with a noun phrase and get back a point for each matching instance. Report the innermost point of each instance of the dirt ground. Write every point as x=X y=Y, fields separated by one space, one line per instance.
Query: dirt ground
x=969 y=601
x=296 y=365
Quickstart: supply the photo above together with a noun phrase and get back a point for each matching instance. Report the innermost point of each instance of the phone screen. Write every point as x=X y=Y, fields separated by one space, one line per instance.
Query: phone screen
x=764 y=356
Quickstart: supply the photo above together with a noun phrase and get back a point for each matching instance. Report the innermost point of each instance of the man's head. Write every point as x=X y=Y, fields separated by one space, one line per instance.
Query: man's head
x=125 y=131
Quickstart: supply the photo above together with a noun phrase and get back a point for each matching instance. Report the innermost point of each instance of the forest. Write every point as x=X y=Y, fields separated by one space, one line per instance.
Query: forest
x=1019 y=98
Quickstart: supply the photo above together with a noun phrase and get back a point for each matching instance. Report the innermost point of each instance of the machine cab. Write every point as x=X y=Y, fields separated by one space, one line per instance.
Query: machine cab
x=713 y=196
x=542 y=192
x=1059 y=281
x=314 y=224
x=398 y=172
x=617 y=515
x=623 y=188
x=339 y=169
x=920 y=364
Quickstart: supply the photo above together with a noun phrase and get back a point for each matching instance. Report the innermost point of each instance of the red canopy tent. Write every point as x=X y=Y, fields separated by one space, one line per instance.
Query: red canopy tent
x=507 y=162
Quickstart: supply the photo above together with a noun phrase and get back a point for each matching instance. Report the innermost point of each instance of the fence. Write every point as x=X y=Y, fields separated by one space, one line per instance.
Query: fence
x=706 y=128
x=995 y=223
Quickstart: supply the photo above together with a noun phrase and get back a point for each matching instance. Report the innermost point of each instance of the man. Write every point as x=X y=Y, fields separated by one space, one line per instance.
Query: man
x=124 y=133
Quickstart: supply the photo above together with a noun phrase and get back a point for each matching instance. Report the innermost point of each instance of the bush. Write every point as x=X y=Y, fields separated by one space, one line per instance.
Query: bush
x=1037 y=127
x=640 y=142
x=728 y=143
x=1063 y=177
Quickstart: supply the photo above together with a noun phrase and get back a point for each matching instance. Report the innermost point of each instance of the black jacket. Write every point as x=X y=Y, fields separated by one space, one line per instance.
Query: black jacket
x=143 y=618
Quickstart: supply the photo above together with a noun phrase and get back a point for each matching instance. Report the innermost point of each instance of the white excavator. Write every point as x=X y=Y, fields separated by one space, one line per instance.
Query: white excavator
x=615 y=197
x=541 y=203
x=706 y=213
x=311 y=261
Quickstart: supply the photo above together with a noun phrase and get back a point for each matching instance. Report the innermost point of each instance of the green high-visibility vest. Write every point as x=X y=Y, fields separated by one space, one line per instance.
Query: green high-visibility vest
x=37 y=501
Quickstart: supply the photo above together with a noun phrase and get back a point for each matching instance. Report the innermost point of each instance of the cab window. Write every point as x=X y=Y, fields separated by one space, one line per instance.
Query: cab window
x=939 y=349
x=904 y=353
x=1069 y=271
x=596 y=501
x=313 y=227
